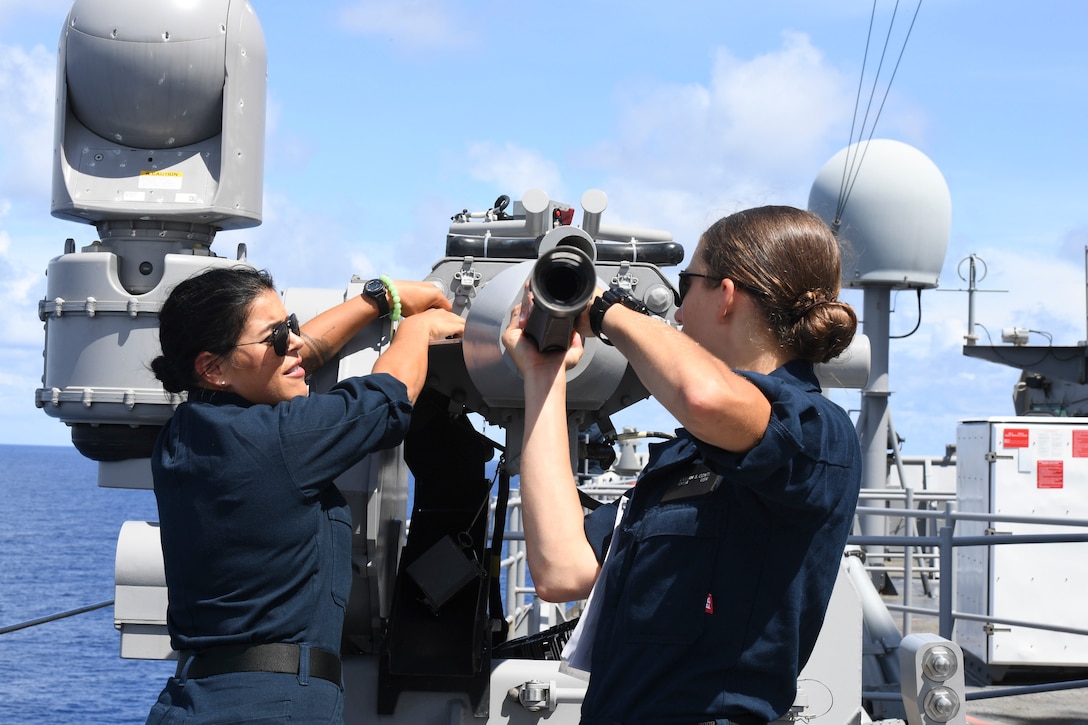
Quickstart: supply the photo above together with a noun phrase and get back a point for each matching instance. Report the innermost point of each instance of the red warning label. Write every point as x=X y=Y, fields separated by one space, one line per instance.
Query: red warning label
x=1080 y=444
x=1050 y=474
x=1015 y=438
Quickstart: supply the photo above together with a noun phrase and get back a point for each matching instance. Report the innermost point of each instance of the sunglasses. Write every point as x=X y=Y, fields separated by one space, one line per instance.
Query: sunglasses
x=685 y=284
x=279 y=338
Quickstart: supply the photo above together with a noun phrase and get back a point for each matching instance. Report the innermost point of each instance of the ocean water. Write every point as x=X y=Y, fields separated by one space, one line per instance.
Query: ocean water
x=58 y=534
x=58 y=538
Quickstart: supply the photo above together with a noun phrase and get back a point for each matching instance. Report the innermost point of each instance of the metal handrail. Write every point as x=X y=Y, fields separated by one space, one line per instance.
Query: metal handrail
x=953 y=515
x=945 y=541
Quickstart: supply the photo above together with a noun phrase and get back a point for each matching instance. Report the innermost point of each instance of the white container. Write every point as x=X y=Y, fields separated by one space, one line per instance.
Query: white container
x=1022 y=466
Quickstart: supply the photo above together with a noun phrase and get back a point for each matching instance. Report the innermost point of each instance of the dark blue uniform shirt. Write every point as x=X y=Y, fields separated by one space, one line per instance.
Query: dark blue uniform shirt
x=717 y=584
x=256 y=538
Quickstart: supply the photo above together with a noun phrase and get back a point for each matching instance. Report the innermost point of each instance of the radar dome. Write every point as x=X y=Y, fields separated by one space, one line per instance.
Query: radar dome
x=144 y=74
x=897 y=215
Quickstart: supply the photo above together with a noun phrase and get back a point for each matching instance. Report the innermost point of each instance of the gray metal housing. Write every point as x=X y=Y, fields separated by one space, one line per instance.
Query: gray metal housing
x=143 y=130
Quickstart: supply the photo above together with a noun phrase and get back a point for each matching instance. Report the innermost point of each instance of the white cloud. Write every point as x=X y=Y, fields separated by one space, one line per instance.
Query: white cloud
x=684 y=154
x=300 y=247
x=27 y=85
x=21 y=282
x=21 y=421
x=774 y=111
x=307 y=247
x=408 y=24
x=19 y=13
x=756 y=132
x=509 y=166
x=755 y=126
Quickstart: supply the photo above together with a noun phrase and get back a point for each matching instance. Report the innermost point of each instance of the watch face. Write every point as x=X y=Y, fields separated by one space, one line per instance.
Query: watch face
x=375 y=289
x=625 y=298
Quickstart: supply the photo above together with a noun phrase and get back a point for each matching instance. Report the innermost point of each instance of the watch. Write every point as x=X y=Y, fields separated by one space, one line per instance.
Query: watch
x=375 y=290
x=610 y=297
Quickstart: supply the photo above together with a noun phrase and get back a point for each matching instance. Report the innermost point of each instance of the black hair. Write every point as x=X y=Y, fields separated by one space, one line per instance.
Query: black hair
x=205 y=313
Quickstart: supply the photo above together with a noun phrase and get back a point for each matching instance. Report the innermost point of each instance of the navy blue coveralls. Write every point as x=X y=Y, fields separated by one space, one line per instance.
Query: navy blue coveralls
x=256 y=538
x=717 y=585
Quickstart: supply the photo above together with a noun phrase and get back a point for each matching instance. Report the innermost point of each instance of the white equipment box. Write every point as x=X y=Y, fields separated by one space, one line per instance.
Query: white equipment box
x=1022 y=466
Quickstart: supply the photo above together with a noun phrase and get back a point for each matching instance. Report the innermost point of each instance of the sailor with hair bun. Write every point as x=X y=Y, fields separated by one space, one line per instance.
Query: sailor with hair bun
x=711 y=576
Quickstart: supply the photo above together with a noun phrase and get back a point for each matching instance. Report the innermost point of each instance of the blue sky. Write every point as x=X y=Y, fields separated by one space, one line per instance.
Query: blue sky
x=387 y=117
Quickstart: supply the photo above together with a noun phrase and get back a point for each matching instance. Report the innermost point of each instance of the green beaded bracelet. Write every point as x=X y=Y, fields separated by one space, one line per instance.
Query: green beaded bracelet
x=394 y=315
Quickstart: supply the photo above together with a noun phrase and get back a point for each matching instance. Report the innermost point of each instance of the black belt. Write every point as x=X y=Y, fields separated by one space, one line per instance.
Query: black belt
x=738 y=720
x=278 y=657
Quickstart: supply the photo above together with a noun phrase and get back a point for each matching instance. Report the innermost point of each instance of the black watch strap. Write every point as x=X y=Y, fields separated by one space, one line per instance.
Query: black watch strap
x=596 y=318
x=610 y=297
x=375 y=290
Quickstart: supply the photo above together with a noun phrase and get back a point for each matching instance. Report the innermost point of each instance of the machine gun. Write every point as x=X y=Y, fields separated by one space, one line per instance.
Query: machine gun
x=444 y=613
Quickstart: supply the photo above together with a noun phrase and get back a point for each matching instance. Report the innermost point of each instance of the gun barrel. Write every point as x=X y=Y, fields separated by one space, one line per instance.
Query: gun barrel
x=562 y=283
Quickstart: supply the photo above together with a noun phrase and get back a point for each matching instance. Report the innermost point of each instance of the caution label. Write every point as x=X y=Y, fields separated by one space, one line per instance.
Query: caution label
x=1080 y=444
x=1050 y=474
x=161 y=179
x=1015 y=438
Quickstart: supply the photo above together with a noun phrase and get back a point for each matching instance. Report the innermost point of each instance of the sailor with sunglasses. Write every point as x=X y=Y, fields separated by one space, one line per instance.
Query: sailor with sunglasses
x=711 y=576
x=256 y=537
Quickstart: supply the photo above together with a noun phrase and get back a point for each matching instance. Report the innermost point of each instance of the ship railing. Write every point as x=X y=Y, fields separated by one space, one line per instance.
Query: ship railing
x=936 y=550
x=524 y=612
x=907 y=561
x=944 y=542
x=935 y=510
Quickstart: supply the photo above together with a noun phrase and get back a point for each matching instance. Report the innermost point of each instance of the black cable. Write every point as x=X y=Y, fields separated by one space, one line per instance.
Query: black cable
x=916 y=324
x=502 y=498
x=1047 y=353
x=55 y=617
x=887 y=90
x=854 y=119
x=855 y=170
